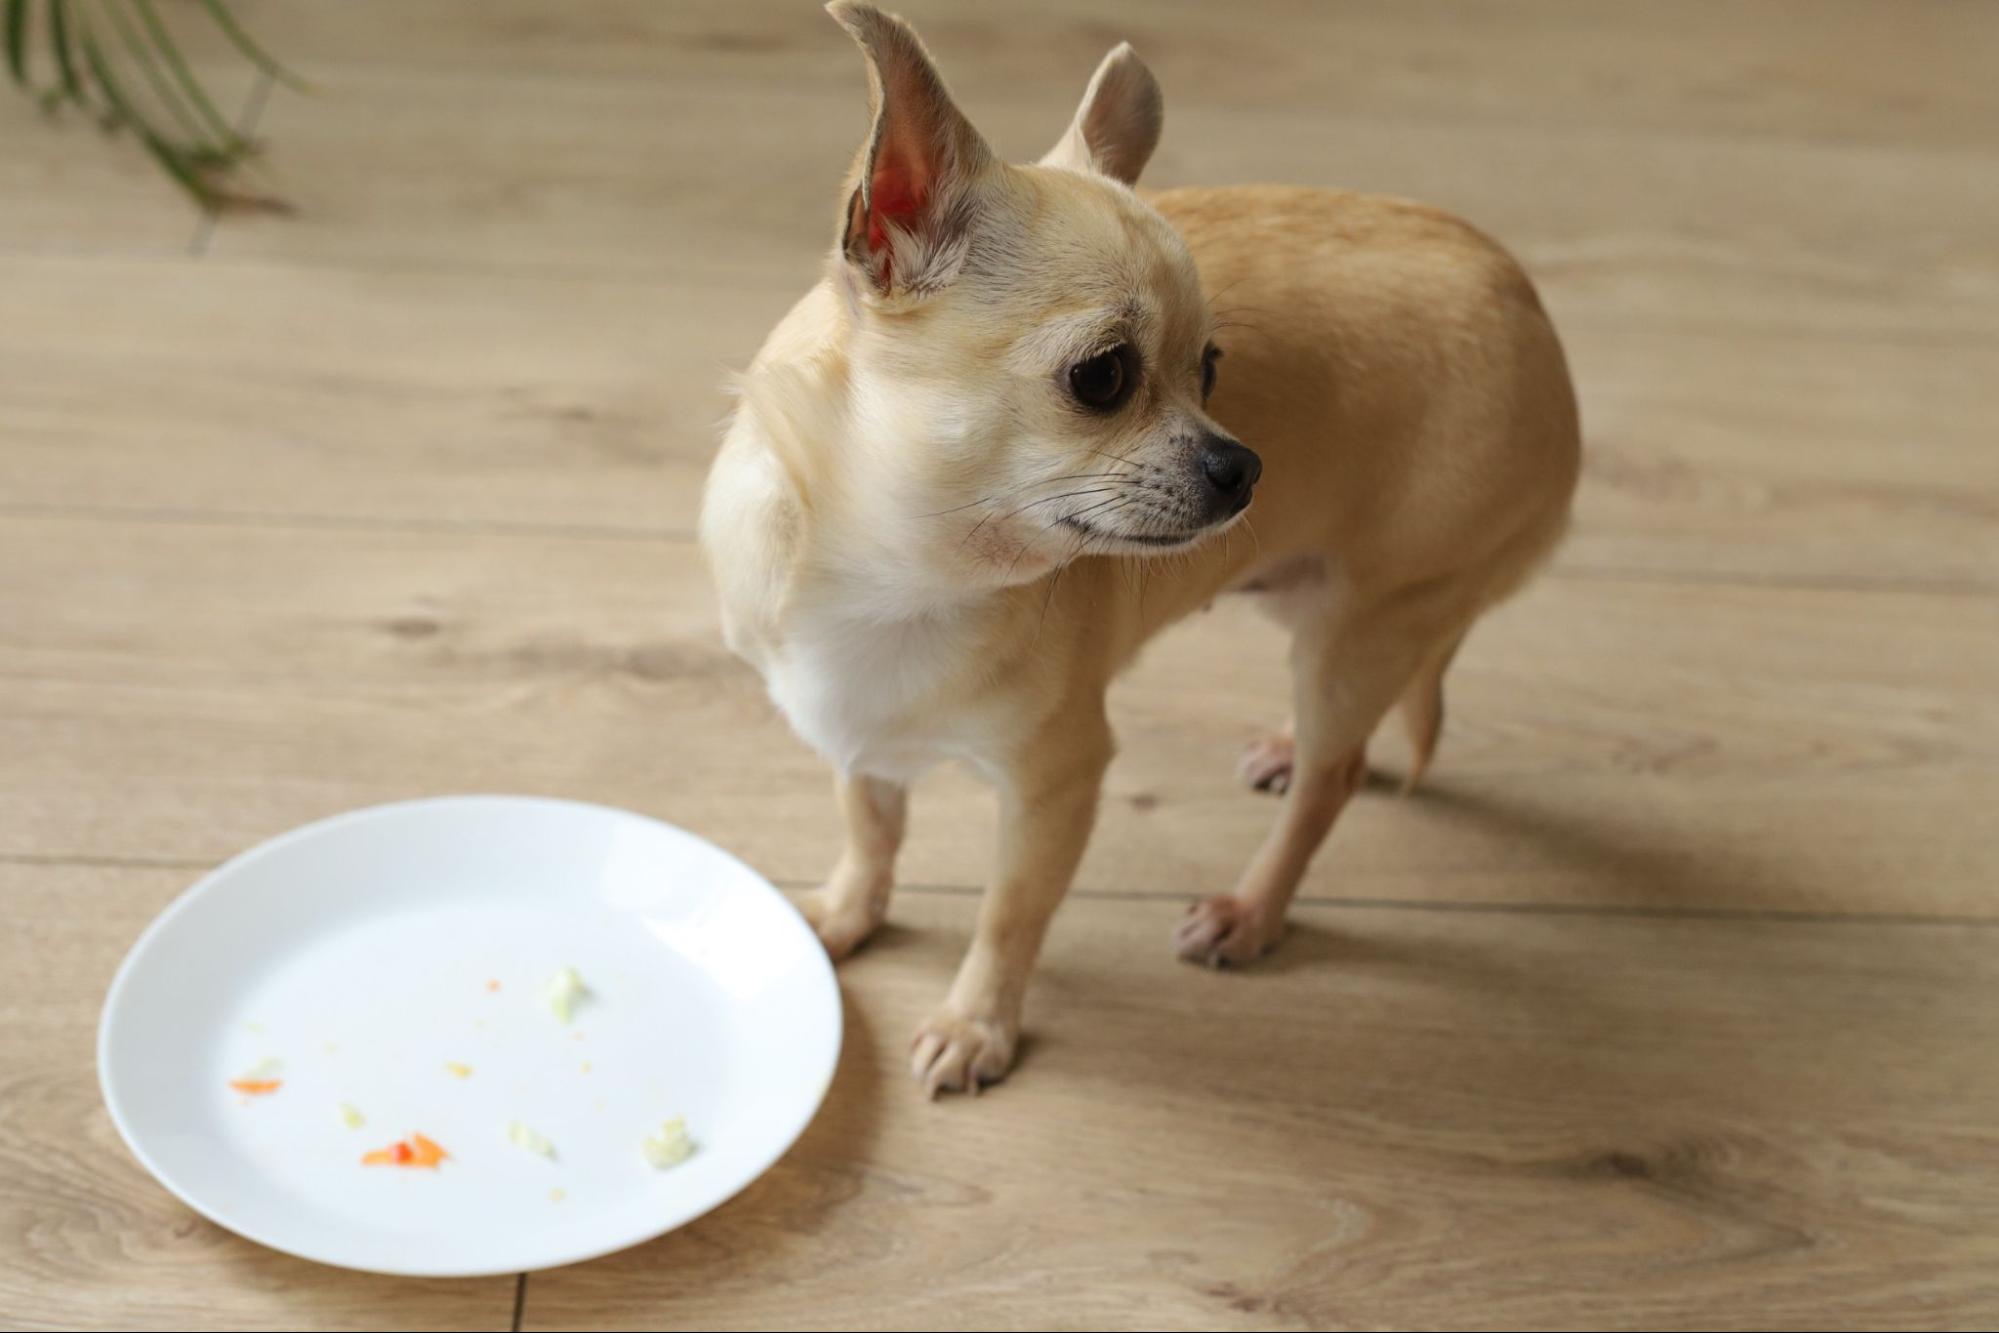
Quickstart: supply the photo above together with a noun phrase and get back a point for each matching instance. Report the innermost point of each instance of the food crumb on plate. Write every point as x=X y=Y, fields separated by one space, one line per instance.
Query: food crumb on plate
x=493 y=985
x=416 y=1150
x=538 y=1144
x=585 y=1066
x=558 y=1194
x=671 y=1146
x=458 y=1069
x=260 y=1079
x=562 y=991
x=351 y=1117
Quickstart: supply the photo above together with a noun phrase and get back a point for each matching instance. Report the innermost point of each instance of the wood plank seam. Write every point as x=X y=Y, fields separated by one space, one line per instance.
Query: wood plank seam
x=1781 y=916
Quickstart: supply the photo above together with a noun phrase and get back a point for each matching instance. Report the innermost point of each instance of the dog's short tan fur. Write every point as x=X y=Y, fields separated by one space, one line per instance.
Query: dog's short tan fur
x=932 y=551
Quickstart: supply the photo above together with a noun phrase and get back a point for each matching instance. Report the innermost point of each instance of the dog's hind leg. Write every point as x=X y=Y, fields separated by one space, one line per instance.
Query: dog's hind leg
x=1347 y=671
x=1266 y=761
x=1422 y=710
x=854 y=899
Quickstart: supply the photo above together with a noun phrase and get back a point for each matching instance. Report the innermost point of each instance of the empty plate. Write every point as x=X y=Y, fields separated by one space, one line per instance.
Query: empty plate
x=387 y=973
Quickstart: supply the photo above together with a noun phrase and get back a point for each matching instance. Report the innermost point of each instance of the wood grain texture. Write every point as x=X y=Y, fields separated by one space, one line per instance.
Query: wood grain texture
x=1780 y=750
x=336 y=392
x=87 y=1238
x=1671 y=1003
x=1643 y=167
x=1414 y=1120
x=1856 y=74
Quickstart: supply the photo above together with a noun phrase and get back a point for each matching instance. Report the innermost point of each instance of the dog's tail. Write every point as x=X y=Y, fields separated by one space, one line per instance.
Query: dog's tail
x=1422 y=710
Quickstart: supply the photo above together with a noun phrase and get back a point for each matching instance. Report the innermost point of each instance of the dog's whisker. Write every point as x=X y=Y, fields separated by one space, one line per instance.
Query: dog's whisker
x=1024 y=486
x=1046 y=499
x=1075 y=552
x=1066 y=495
x=1124 y=458
x=1115 y=502
x=1076 y=518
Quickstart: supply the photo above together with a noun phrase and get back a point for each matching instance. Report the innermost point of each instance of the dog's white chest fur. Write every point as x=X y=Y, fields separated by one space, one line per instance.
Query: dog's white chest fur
x=858 y=659
x=862 y=691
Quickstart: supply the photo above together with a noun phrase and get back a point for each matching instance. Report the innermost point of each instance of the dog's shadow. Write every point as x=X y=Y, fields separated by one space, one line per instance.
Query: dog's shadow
x=1549 y=1040
x=1607 y=863
x=1535 y=1053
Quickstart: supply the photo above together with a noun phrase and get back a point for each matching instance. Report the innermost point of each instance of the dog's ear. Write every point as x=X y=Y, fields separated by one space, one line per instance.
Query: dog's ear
x=909 y=218
x=1117 y=126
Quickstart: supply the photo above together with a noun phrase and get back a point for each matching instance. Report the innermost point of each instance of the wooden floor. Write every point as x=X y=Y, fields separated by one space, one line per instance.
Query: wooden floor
x=1673 y=1002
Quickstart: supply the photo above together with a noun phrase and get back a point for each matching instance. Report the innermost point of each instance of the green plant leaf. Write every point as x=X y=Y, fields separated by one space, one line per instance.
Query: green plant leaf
x=148 y=64
x=59 y=43
x=164 y=152
x=191 y=86
x=17 y=40
x=255 y=53
x=201 y=157
x=179 y=168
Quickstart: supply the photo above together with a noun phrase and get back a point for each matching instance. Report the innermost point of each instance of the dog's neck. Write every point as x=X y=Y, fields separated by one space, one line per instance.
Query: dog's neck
x=851 y=555
x=869 y=659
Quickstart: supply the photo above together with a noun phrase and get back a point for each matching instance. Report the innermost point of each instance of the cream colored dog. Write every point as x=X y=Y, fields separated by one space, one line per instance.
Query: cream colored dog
x=997 y=448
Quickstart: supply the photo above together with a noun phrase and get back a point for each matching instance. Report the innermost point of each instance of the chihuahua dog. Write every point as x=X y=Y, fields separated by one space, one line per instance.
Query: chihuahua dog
x=1005 y=440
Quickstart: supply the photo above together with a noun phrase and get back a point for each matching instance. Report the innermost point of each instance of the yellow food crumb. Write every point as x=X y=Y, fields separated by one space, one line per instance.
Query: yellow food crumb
x=350 y=1117
x=586 y=1066
x=669 y=1147
x=538 y=1144
x=562 y=991
x=457 y=1070
x=558 y=1195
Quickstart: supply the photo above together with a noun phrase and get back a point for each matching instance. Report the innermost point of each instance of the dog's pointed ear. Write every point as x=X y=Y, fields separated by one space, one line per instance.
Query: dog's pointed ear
x=1117 y=126
x=909 y=217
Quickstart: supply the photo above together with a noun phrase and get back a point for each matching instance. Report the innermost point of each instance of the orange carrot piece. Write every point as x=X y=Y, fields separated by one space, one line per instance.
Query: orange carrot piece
x=416 y=1150
x=255 y=1087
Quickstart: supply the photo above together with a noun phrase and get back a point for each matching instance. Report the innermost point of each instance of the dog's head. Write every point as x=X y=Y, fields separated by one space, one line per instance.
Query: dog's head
x=1029 y=353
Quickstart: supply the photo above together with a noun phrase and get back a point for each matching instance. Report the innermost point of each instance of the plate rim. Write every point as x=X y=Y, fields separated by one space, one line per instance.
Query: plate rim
x=319 y=827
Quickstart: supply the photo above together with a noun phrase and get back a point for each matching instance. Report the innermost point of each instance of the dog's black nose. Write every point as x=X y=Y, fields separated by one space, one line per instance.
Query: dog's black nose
x=1232 y=470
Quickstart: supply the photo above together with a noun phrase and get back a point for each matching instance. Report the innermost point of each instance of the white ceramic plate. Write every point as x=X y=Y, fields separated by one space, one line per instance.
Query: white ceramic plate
x=358 y=953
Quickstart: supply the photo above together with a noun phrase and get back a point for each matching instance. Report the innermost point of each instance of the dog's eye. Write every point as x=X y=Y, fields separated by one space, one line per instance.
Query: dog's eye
x=1208 y=360
x=1103 y=382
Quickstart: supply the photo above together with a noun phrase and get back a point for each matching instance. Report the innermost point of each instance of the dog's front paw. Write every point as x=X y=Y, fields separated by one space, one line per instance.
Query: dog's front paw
x=956 y=1054
x=1224 y=929
x=841 y=922
x=1266 y=763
